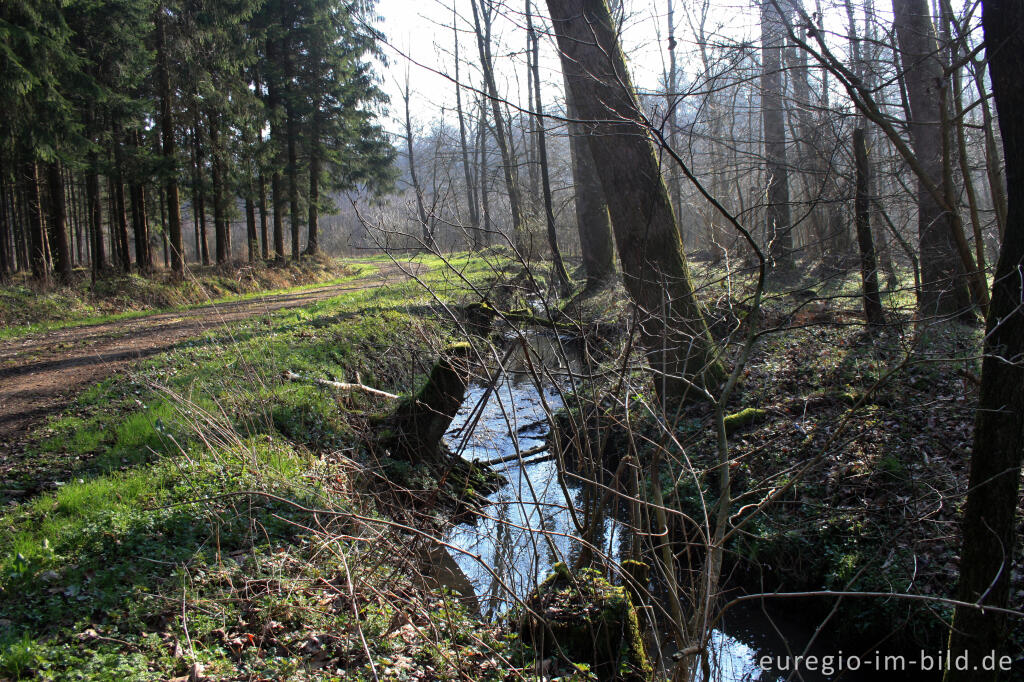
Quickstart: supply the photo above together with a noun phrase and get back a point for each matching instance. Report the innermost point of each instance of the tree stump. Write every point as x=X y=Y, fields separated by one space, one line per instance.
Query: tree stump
x=582 y=618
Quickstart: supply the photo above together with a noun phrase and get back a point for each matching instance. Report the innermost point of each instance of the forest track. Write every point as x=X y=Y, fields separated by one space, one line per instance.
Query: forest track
x=40 y=374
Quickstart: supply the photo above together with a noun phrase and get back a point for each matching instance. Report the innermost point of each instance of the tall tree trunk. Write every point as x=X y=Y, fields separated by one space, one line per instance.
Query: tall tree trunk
x=198 y=194
x=92 y=196
x=163 y=228
x=278 y=201
x=672 y=121
x=6 y=234
x=58 y=223
x=862 y=215
x=120 y=202
x=167 y=134
x=778 y=226
x=20 y=222
x=472 y=202
x=522 y=238
x=596 y=244
x=542 y=156
x=944 y=289
x=264 y=246
x=988 y=527
x=482 y=168
x=74 y=194
x=993 y=161
x=34 y=216
x=140 y=226
x=813 y=165
x=220 y=227
x=251 y=241
x=426 y=230
x=276 y=136
x=673 y=330
x=292 y=130
x=313 y=232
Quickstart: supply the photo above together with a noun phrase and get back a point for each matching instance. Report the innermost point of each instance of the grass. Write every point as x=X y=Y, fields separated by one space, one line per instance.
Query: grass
x=25 y=310
x=160 y=542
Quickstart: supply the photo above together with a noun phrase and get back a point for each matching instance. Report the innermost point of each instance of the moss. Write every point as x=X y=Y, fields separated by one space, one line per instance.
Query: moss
x=419 y=422
x=745 y=417
x=585 y=619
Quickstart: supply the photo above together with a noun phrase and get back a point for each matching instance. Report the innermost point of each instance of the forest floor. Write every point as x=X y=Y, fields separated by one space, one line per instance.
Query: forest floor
x=41 y=372
x=193 y=474
x=182 y=511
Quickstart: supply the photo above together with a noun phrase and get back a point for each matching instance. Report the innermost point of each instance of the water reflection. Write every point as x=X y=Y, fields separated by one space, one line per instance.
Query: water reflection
x=528 y=525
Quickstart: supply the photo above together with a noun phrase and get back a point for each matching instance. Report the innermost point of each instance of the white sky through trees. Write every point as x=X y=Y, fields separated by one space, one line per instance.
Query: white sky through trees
x=419 y=36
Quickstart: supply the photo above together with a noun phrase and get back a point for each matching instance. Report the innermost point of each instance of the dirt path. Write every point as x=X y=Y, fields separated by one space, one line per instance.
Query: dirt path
x=40 y=374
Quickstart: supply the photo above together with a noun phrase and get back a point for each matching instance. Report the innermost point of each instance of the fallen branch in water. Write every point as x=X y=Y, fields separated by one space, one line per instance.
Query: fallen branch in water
x=519 y=455
x=340 y=385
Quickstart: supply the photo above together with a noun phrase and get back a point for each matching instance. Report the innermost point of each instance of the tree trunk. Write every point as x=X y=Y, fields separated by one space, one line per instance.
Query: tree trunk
x=986 y=559
x=522 y=238
x=778 y=227
x=92 y=196
x=278 y=201
x=313 y=232
x=34 y=215
x=427 y=233
x=163 y=228
x=542 y=156
x=673 y=331
x=140 y=224
x=672 y=102
x=198 y=195
x=862 y=215
x=292 y=130
x=264 y=246
x=251 y=241
x=943 y=285
x=596 y=244
x=220 y=227
x=482 y=168
x=471 y=196
x=58 y=223
x=167 y=133
x=6 y=234
x=120 y=202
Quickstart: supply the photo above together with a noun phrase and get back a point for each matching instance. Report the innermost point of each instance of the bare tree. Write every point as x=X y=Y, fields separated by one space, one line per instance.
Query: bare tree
x=482 y=19
x=655 y=272
x=778 y=226
x=542 y=154
x=426 y=221
x=943 y=287
x=986 y=559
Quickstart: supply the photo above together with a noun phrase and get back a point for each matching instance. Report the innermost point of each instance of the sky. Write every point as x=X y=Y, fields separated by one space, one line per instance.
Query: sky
x=420 y=41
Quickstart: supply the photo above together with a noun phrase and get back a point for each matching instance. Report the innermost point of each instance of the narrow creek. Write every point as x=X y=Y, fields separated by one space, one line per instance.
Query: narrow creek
x=527 y=527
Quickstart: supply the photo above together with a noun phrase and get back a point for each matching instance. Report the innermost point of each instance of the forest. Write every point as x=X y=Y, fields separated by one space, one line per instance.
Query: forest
x=497 y=340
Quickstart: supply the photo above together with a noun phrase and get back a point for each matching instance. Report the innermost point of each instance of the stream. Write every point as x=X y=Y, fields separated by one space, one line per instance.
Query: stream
x=528 y=526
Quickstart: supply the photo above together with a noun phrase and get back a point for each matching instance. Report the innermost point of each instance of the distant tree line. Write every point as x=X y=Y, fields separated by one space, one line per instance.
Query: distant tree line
x=118 y=112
